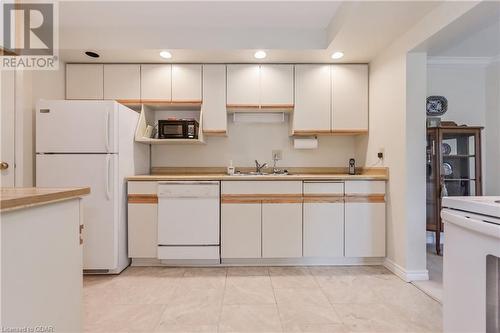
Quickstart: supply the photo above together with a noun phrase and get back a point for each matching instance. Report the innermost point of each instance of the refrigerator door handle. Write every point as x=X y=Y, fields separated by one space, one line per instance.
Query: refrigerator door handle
x=108 y=169
x=106 y=130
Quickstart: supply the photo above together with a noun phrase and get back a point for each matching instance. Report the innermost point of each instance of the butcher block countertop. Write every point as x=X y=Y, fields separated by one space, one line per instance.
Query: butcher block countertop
x=23 y=197
x=159 y=174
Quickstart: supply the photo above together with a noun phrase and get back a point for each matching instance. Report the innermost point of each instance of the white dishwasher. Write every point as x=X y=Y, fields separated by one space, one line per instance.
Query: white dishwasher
x=189 y=221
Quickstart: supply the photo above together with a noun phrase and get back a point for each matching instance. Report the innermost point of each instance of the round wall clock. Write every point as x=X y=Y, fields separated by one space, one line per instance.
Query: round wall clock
x=436 y=105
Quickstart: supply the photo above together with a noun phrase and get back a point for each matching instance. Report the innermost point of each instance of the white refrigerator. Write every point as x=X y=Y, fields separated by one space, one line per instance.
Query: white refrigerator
x=91 y=143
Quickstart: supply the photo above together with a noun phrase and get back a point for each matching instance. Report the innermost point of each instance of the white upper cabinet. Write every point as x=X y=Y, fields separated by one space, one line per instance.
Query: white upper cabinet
x=156 y=82
x=186 y=83
x=276 y=85
x=122 y=82
x=214 y=99
x=84 y=81
x=312 y=111
x=243 y=85
x=350 y=97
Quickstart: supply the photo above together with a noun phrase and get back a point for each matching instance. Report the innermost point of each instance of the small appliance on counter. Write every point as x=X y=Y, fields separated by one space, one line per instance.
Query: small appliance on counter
x=178 y=129
x=352 y=166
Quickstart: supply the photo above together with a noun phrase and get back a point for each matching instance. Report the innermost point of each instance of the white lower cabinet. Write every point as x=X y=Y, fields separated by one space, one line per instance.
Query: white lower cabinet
x=323 y=229
x=142 y=230
x=281 y=230
x=241 y=230
x=365 y=229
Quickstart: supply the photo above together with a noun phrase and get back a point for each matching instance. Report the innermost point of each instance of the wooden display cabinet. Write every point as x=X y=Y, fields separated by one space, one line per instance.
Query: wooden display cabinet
x=453 y=169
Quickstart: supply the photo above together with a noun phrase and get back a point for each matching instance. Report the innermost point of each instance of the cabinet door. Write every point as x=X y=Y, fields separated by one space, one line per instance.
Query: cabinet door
x=156 y=82
x=364 y=229
x=312 y=99
x=281 y=230
x=142 y=230
x=122 y=82
x=350 y=97
x=276 y=85
x=84 y=81
x=323 y=229
x=241 y=230
x=214 y=99
x=243 y=85
x=186 y=83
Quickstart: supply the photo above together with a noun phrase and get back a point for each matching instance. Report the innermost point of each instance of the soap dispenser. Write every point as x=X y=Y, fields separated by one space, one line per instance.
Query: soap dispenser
x=230 y=168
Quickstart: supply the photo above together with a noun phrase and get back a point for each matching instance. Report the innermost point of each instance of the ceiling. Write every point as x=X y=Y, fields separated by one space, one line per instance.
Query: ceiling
x=231 y=31
x=475 y=34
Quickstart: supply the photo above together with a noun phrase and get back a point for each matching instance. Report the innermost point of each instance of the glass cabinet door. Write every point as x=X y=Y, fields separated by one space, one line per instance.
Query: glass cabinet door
x=459 y=162
x=433 y=181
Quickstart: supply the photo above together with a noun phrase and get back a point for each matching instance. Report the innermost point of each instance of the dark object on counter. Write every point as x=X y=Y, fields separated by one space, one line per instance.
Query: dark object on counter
x=178 y=129
x=436 y=105
x=352 y=166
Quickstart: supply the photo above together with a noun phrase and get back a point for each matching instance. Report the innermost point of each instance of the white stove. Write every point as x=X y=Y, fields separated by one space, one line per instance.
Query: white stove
x=471 y=265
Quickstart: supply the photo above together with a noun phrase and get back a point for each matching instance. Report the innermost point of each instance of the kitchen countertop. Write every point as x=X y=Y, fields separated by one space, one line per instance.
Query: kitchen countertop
x=299 y=174
x=23 y=197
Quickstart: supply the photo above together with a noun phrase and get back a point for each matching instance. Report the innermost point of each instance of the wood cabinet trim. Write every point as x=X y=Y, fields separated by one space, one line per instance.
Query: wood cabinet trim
x=310 y=132
x=142 y=198
x=215 y=132
x=261 y=198
x=368 y=198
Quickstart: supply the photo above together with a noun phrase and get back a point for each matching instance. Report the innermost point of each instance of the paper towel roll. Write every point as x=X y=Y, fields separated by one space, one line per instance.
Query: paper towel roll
x=305 y=143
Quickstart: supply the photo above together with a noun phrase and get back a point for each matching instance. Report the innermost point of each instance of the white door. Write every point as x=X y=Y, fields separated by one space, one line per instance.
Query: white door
x=100 y=216
x=76 y=127
x=281 y=230
x=7 y=120
x=241 y=230
x=122 y=82
x=350 y=97
x=276 y=85
x=214 y=99
x=243 y=85
x=312 y=112
x=186 y=83
x=364 y=229
x=84 y=81
x=323 y=229
x=156 y=82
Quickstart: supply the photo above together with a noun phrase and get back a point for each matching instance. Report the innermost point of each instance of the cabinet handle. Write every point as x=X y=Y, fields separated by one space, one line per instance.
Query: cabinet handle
x=4 y=165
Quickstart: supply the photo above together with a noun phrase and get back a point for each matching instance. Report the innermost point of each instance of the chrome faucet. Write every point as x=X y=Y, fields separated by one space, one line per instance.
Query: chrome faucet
x=259 y=167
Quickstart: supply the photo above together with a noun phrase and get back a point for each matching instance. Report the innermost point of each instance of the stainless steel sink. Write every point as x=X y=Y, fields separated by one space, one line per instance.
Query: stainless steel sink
x=253 y=173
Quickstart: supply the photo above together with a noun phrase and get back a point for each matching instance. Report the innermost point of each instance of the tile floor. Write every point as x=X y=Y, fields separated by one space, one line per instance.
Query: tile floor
x=434 y=286
x=257 y=299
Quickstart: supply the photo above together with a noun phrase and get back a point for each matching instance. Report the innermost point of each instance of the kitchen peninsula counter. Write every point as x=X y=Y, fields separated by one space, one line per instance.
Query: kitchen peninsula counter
x=23 y=197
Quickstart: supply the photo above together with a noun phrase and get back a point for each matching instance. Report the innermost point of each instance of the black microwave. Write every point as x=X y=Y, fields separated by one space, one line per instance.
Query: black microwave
x=178 y=129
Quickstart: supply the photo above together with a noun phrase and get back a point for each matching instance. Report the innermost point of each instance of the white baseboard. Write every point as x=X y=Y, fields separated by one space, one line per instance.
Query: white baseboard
x=405 y=275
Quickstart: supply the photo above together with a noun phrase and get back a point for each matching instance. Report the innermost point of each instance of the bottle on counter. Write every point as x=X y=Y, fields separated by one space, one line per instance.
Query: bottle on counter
x=230 y=168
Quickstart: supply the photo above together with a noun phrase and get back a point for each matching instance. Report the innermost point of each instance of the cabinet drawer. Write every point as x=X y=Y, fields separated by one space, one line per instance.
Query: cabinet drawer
x=144 y=187
x=327 y=188
x=364 y=187
x=261 y=187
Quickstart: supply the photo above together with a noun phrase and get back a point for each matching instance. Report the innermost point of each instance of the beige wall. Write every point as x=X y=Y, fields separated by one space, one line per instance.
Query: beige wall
x=397 y=125
x=492 y=120
x=247 y=142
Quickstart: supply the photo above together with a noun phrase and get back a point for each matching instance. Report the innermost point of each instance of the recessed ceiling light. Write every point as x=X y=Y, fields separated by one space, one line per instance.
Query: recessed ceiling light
x=92 y=54
x=260 y=54
x=337 y=55
x=165 y=54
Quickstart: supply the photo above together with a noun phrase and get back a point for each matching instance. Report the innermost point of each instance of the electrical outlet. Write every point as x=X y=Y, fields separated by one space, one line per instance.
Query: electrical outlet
x=277 y=155
x=380 y=153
